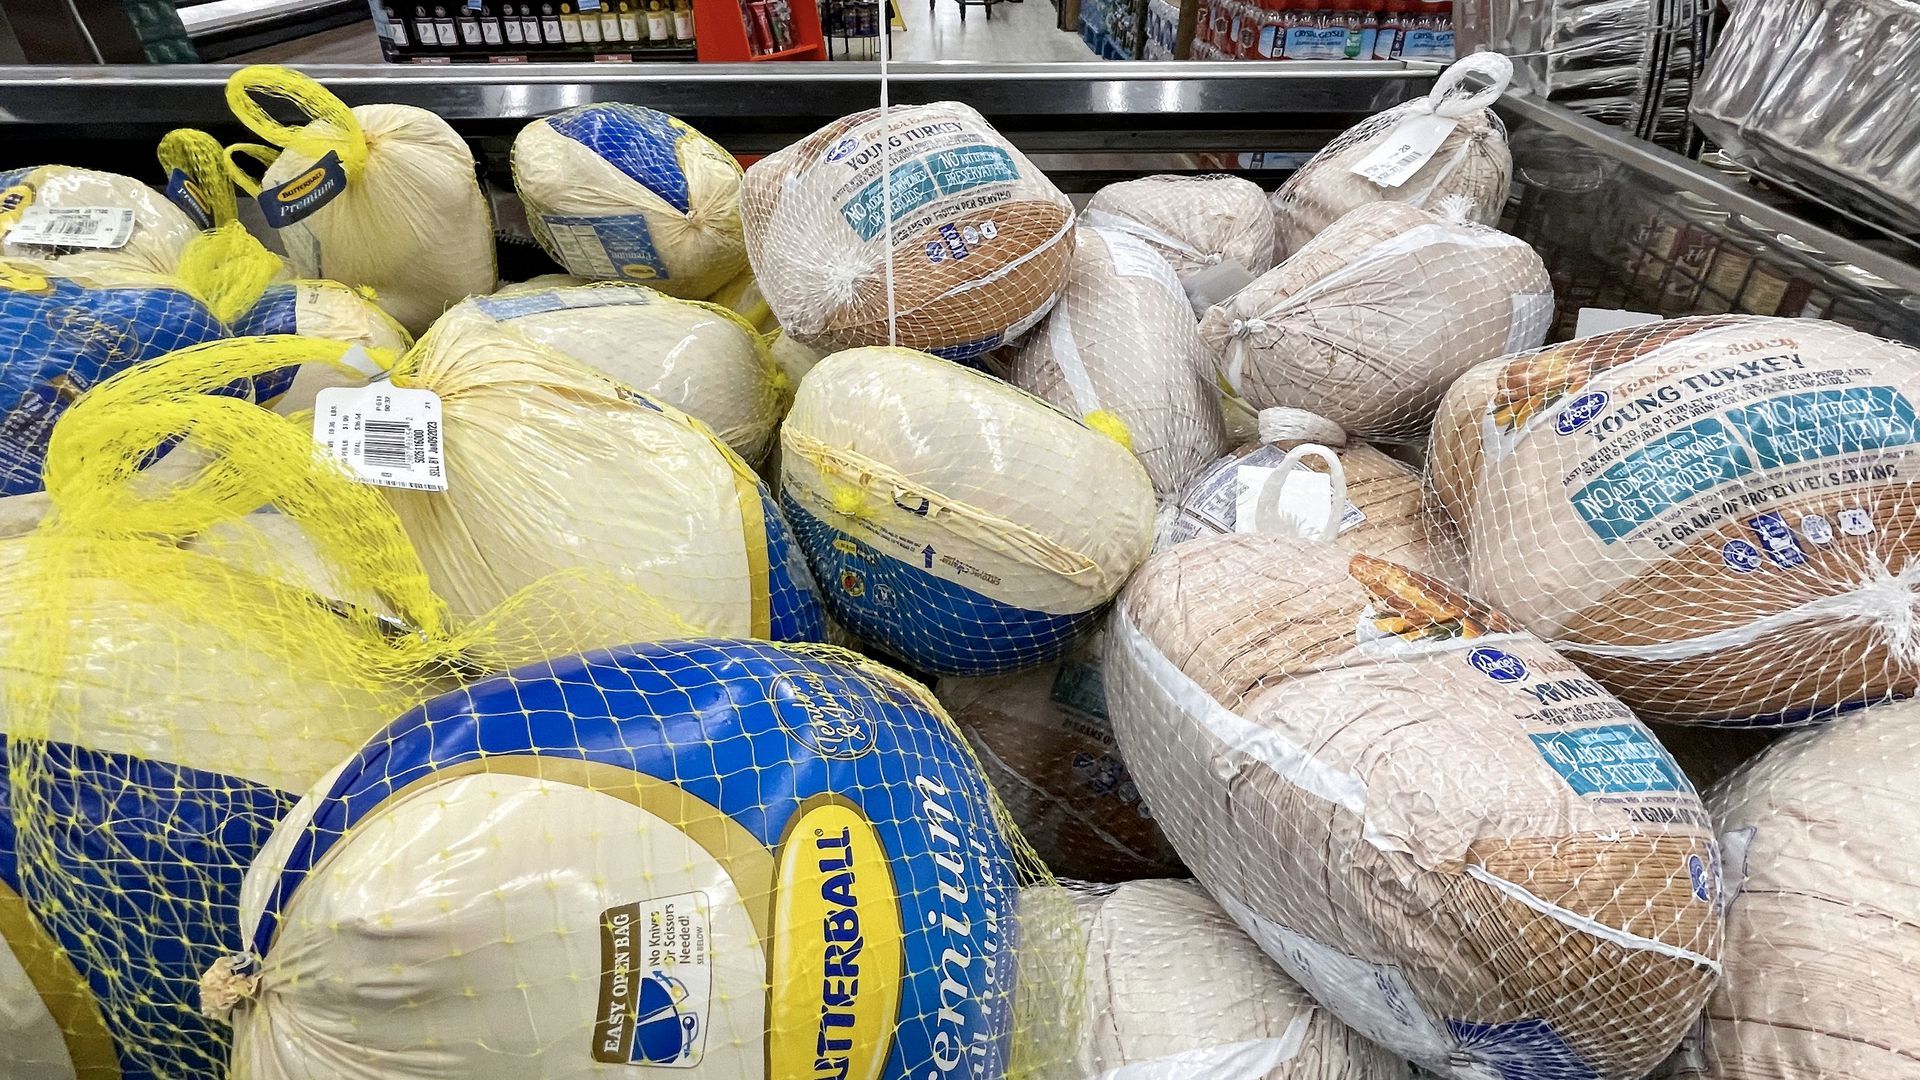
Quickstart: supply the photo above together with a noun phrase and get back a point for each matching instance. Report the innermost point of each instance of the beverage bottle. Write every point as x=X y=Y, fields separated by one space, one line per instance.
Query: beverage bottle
x=683 y=22
x=1362 y=26
x=490 y=31
x=396 y=29
x=570 y=25
x=1272 y=41
x=1407 y=19
x=589 y=25
x=659 y=24
x=511 y=28
x=1202 y=18
x=443 y=31
x=1246 y=43
x=469 y=24
x=423 y=35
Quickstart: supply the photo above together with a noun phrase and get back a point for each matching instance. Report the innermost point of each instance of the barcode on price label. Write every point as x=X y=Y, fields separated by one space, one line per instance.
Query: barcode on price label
x=383 y=434
x=105 y=228
x=1406 y=149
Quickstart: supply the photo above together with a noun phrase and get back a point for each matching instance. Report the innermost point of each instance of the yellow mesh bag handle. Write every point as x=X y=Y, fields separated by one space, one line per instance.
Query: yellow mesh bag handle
x=200 y=156
x=229 y=269
x=330 y=126
x=261 y=154
x=253 y=458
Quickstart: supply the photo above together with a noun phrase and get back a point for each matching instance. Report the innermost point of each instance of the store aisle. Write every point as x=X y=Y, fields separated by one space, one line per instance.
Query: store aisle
x=1017 y=32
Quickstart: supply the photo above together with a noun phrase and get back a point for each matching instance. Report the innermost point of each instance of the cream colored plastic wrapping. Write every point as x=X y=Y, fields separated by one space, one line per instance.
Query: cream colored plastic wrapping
x=1712 y=515
x=1044 y=741
x=698 y=357
x=159 y=234
x=556 y=468
x=1469 y=168
x=1823 y=906
x=619 y=192
x=1374 y=501
x=1218 y=226
x=1121 y=348
x=1367 y=325
x=1456 y=841
x=925 y=229
x=1176 y=991
x=955 y=521
x=407 y=217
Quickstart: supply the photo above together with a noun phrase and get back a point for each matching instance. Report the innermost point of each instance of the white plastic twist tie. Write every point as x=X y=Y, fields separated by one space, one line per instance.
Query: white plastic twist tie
x=1243 y=327
x=1456 y=208
x=1266 y=505
x=228 y=982
x=1285 y=425
x=1450 y=96
x=1212 y=258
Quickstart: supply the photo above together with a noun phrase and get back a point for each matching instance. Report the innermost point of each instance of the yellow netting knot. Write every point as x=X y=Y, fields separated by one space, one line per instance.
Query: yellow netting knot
x=847 y=500
x=1106 y=423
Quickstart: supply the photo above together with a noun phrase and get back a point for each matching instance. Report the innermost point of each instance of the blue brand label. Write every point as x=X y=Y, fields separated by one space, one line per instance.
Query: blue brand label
x=916 y=183
x=519 y=305
x=62 y=339
x=1316 y=42
x=1496 y=665
x=1826 y=423
x=1697 y=875
x=1777 y=540
x=1521 y=1050
x=756 y=745
x=842 y=148
x=1660 y=475
x=1427 y=45
x=1740 y=556
x=1580 y=412
x=932 y=623
x=956 y=246
x=644 y=144
x=603 y=248
x=1614 y=759
x=186 y=195
x=298 y=198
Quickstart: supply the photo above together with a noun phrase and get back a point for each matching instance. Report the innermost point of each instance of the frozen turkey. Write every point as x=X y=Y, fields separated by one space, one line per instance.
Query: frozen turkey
x=1377 y=161
x=381 y=196
x=957 y=522
x=619 y=192
x=977 y=238
x=1465 y=848
x=698 y=357
x=85 y=219
x=1216 y=231
x=1367 y=325
x=1237 y=1016
x=1121 y=350
x=1712 y=515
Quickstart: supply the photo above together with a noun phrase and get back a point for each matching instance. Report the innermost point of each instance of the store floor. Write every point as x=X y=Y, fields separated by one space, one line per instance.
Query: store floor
x=1016 y=33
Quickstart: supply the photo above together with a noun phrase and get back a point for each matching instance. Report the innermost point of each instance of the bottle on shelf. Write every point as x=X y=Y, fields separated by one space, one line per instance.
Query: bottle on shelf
x=630 y=31
x=609 y=23
x=1362 y=25
x=589 y=19
x=469 y=23
x=569 y=25
x=491 y=31
x=397 y=35
x=423 y=35
x=683 y=23
x=1270 y=34
x=529 y=24
x=1391 y=20
x=511 y=28
x=659 y=24
x=781 y=14
x=443 y=30
x=551 y=32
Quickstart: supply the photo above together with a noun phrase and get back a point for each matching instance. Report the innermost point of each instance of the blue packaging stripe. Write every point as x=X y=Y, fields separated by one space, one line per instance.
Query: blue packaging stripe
x=642 y=143
x=1521 y=1050
x=736 y=724
x=1611 y=759
x=931 y=623
x=155 y=852
x=276 y=312
x=602 y=247
x=1659 y=476
x=67 y=337
x=793 y=601
x=1819 y=424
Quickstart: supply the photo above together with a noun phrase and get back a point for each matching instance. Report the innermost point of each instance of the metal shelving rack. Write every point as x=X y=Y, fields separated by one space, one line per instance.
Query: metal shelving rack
x=1620 y=222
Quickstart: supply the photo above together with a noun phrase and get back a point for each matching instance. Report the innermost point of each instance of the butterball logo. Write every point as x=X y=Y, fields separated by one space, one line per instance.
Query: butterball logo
x=1580 y=412
x=828 y=723
x=842 y=148
x=1496 y=665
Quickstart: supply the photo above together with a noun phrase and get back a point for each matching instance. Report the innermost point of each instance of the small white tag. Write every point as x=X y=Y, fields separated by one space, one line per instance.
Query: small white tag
x=104 y=227
x=1304 y=501
x=385 y=435
x=1132 y=257
x=1593 y=320
x=1409 y=146
x=310 y=379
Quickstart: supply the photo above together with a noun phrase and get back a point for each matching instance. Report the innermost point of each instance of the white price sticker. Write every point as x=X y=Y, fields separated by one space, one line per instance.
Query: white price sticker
x=383 y=434
x=106 y=228
x=1409 y=146
x=1593 y=321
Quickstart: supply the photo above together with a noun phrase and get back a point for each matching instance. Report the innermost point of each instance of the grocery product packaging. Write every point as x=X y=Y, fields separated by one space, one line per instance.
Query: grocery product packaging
x=1235 y=1016
x=1711 y=515
x=1823 y=906
x=63 y=330
x=1448 y=148
x=698 y=357
x=793 y=358
x=922 y=228
x=554 y=467
x=619 y=192
x=382 y=196
x=961 y=524
x=1121 y=349
x=716 y=858
x=1371 y=501
x=1454 y=840
x=86 y=220
x=742 y=296
x=1368 y=324
x=1044 y=741
x=1216 y=231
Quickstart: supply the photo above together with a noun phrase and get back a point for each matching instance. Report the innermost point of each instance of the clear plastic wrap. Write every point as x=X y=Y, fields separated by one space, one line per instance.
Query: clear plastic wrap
x=153 y=245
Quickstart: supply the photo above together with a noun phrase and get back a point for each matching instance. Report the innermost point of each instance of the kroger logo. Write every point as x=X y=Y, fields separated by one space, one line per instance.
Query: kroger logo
x=1498 y=666
x=1697 y=874
x=1580 y=412
x=842 y=148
